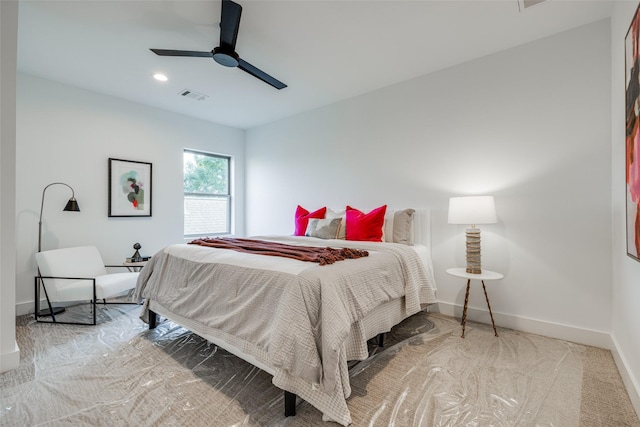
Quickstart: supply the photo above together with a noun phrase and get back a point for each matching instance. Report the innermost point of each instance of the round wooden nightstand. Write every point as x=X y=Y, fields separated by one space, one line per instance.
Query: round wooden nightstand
x=485 y=275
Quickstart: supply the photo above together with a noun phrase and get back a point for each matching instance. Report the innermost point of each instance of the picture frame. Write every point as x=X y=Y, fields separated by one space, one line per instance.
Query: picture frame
x=130 y=188
x=632 y=136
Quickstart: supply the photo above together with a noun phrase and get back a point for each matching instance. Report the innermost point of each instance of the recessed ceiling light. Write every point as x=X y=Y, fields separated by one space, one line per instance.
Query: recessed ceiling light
x=160 y=77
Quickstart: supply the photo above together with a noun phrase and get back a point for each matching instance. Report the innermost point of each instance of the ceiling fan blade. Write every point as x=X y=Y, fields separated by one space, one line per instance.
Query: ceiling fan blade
x=225 y=54
x=245 y=66
x=229 y=24
x=170 y=52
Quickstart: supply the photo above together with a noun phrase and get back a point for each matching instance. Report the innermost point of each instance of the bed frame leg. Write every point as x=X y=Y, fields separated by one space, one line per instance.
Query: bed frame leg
x=289 y=404
x=381 y=340
x=153 y=319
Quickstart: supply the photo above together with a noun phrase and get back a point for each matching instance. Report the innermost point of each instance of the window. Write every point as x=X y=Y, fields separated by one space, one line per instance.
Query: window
x=207 y=194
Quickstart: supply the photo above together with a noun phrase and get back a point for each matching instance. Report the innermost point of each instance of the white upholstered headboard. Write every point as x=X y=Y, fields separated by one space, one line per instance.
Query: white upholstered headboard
x=422 y=227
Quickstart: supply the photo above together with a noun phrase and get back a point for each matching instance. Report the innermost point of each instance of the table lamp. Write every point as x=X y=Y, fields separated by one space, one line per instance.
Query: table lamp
x=472 y=210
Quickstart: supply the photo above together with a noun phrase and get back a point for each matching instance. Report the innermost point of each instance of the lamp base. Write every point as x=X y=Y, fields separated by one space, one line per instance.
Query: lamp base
x=473 y=251
x=47 y=312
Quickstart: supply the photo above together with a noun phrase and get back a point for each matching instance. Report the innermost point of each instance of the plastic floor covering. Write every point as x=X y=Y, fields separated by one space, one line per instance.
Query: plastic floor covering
x=119 y=373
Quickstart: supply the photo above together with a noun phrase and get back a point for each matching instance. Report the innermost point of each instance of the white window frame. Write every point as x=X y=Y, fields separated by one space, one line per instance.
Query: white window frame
x=226 y=196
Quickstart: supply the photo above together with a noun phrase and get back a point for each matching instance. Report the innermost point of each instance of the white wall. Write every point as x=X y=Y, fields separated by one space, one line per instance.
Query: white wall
x=626 y=271
x=9 y=351
x=530 y=125
x=67 y=134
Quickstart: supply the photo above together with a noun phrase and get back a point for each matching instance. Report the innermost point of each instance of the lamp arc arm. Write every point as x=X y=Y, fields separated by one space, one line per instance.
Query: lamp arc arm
x=73 y=196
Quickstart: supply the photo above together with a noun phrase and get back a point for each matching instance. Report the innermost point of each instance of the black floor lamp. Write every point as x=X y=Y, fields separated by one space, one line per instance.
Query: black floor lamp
x=71 y=206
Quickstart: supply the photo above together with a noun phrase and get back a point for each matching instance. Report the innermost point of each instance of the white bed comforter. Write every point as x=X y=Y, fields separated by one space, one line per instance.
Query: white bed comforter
x=291 y=316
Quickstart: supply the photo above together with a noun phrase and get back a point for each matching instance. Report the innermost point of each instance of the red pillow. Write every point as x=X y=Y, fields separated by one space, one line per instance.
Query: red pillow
x=302 y=219
x=361 y=226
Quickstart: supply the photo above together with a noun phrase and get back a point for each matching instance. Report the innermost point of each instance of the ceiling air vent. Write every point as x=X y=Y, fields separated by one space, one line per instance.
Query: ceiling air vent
x=193 y=95
x=525 y=4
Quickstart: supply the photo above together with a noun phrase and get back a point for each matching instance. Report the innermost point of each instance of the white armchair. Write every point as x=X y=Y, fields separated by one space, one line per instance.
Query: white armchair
x=78 y=274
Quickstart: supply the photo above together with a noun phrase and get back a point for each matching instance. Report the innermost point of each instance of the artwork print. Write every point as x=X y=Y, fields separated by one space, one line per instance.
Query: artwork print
x=632 y=149
x=129 y=188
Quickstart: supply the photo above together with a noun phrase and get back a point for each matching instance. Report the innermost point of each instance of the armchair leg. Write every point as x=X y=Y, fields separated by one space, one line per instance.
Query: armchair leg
x=94 y=301
x=51 y=311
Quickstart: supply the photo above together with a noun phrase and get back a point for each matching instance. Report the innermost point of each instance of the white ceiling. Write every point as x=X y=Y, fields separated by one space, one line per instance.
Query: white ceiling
x=325 y=51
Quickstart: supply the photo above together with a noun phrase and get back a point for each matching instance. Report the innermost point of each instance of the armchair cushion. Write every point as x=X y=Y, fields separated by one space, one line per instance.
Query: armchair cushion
x=76 y=263
x=107 y=286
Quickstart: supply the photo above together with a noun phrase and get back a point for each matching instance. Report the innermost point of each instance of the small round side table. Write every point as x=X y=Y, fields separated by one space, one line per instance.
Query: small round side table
x=485 y=275
x=134 y=266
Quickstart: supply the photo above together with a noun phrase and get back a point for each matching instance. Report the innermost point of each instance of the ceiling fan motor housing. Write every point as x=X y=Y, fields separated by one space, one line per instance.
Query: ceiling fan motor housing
x=225 y=57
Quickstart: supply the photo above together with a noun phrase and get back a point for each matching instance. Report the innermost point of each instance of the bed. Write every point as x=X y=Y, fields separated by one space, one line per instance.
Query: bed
x=299 y=321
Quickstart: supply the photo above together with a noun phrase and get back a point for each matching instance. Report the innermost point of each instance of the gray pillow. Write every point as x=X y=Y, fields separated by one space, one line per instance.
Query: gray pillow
x=331 y=214
x=323 y=228
x=402 y=226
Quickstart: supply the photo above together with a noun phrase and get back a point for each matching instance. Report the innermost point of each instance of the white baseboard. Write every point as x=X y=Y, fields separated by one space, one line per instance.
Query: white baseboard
x=553 y=330
x=23 y=308
x=11 y=360
x=633 y=388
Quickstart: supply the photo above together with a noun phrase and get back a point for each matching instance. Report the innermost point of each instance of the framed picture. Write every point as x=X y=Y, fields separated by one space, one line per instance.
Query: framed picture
x=129 y=188
x=632 y=137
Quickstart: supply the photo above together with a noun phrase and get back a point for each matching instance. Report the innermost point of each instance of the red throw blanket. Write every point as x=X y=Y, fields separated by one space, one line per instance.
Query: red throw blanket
x=323 y=256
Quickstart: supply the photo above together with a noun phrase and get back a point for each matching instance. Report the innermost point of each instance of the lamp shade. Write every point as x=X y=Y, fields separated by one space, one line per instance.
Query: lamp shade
x=72 y=205
x=472 y=210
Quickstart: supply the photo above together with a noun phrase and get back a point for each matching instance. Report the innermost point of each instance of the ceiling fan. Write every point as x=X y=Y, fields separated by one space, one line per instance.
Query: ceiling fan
x=225 y=54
